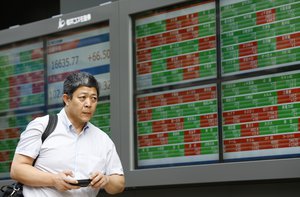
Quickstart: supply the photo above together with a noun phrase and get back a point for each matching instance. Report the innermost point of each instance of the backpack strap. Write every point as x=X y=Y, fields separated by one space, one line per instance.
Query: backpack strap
x=50 y=127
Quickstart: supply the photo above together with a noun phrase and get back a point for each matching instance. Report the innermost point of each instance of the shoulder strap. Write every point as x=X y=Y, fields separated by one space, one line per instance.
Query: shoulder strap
x=50 y=127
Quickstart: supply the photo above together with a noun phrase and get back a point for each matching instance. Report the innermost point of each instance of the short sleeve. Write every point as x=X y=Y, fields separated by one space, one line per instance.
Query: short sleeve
x=114 y=165
x=30 y=139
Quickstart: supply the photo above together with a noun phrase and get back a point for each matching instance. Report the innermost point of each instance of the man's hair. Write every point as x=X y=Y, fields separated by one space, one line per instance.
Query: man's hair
x=78 y=79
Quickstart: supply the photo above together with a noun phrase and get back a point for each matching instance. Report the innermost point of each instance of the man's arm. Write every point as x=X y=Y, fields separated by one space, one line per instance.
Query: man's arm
x=112 y=184
x=23 y=171
x=116 y=184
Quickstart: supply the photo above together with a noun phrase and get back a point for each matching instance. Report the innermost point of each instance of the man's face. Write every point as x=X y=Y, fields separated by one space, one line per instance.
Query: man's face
x=81 y=107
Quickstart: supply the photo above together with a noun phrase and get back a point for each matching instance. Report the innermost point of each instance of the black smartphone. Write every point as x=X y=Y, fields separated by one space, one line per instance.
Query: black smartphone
x=82 y=182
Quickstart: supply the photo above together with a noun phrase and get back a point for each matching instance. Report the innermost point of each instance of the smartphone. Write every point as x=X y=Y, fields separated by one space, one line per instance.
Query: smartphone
x=82 y=182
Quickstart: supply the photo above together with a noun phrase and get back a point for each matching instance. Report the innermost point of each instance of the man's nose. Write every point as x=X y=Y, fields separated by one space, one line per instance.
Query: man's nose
x=87 y=102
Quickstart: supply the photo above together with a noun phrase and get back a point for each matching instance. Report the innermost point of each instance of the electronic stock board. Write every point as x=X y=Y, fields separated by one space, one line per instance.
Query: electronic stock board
x=260 y=114
x=32 y=75
x=86 y=51
x=21 y=90
x=259 y=41
x=173 y=47
x=215 y=81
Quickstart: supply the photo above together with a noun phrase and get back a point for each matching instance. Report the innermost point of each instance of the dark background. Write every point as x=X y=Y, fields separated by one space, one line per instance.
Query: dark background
x=16 y=12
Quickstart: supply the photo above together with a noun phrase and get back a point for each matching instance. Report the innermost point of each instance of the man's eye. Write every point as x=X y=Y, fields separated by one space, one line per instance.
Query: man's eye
x=82 y=98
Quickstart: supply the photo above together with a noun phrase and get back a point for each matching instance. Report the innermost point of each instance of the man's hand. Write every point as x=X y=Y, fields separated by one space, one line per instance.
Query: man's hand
x=99 y=180
x=63 y=180
x=112 y=184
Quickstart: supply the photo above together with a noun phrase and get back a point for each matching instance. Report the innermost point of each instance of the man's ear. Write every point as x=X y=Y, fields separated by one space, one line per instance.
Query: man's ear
x=66 y=99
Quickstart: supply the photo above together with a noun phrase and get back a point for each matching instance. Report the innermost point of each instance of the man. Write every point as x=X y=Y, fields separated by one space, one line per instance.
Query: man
x=75 y=150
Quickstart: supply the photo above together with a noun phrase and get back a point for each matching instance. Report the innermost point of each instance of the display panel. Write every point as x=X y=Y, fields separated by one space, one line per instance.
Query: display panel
x=11 y=126
x=176 y=46
x=83 y=50
x=177 y=127
x=152 y=149
x=257 y=35
x=22 y=77
x=22 y=95
x=261 y=116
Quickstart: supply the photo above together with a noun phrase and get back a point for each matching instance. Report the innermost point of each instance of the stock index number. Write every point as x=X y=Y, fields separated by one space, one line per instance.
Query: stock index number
x=64 y=62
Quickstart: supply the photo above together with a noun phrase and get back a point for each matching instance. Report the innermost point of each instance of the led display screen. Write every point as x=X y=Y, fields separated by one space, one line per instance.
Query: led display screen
x=175 y=46
x=251 y=116
x=178 y=126
x=22 y=77
x=261 y=116
x=85 y=50
x=22 y=95
x=32 y=75
x=258 y=35
x=213 y=81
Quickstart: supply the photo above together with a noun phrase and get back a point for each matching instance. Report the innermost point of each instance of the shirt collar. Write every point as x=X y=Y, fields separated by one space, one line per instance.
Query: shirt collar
x=66 y=121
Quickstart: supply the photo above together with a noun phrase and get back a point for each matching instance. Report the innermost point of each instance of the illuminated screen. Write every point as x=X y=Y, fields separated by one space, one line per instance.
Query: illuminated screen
x=261 y=116
x=258 y=35
x=85 y=50
x=175 y=46
x=11 y=125
x=177 y=126
x=22 y=95
x=250 y=109
x=22 y=77
x=30 y=86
